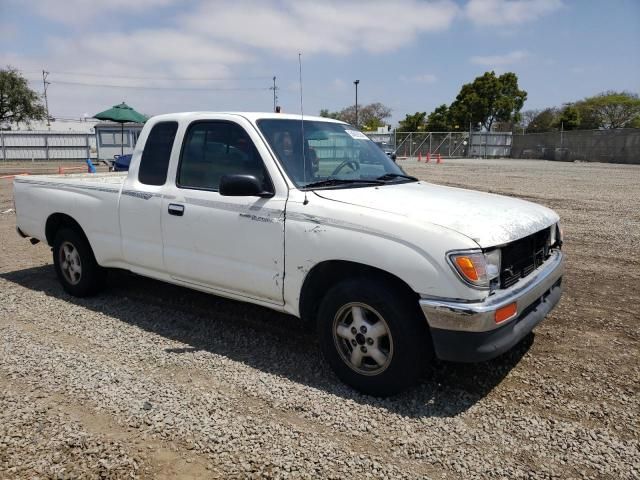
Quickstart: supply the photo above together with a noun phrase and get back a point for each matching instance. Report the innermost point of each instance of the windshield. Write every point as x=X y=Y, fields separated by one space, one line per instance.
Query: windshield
x=337 y=155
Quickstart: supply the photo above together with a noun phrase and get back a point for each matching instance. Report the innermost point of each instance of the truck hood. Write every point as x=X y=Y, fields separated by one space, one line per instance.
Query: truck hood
x=486 y=218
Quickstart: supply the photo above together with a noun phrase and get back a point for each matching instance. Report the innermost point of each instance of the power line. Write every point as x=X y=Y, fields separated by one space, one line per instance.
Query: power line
x=142 y=87
x=134 y=77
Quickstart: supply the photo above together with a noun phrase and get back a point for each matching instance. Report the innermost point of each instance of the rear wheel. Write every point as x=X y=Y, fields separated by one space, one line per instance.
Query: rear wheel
x=75 y=264
x=373 y=336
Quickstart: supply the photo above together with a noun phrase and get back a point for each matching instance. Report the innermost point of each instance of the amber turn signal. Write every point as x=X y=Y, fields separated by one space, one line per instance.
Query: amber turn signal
x=468 y=269
x=506 y=313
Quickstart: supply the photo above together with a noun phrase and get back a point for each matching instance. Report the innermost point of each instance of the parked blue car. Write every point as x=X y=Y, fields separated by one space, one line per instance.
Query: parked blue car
x=121 y=163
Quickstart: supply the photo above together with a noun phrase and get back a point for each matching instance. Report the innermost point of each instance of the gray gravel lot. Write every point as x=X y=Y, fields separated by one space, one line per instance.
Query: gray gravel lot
x=149 y=380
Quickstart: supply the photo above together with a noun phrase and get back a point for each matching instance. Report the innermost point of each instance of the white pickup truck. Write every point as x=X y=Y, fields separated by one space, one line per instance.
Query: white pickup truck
x=311 y=218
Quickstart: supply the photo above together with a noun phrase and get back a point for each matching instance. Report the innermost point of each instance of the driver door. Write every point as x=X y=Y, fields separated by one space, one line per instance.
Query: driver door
x=230 y=245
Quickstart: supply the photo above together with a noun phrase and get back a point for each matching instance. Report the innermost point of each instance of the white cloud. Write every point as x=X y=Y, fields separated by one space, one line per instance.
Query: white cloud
x=500 y=60
x=153 y=47
x=333 y=26
x=79 y=12
x=508 y=12
x=419 y=78
x=88 y=72
x=157 y=53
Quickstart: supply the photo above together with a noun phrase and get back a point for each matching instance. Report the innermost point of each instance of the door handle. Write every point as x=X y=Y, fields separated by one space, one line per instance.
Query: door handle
x=175 y=209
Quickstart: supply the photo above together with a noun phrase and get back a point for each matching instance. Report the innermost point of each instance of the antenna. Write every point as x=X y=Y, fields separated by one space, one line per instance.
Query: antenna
x=304 y=160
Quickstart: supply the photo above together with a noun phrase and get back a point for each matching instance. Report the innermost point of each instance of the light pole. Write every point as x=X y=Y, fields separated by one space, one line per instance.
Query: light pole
x=356 y=82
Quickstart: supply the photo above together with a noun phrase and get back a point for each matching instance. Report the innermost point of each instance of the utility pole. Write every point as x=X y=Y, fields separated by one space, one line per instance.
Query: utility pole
x=275 y=95
x=45 y=84
x=356 y=82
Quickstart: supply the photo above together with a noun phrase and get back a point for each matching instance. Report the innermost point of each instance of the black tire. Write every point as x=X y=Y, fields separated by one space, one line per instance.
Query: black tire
x=408 y=346
x=91 y=277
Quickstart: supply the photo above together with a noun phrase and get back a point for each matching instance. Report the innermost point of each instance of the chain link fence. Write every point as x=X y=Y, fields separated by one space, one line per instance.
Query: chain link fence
x=447 y=144
x=612 y=146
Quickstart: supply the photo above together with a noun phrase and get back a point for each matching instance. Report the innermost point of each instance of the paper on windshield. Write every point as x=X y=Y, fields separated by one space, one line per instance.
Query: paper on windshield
x=357 y=135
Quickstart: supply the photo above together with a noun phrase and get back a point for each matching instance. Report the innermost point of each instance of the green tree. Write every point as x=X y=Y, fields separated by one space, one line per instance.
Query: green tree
x=18 y=103
x=488 y=99
x=569 y=118
x=588 y=118
x=613 y=109
x=327 y=114
x=439 y=120
x=545 y=121
x=370 y=117
x=413 y=123
x=373 y=116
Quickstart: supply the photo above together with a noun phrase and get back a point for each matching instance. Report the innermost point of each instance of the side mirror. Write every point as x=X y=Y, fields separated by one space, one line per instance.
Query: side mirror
x=242 y=186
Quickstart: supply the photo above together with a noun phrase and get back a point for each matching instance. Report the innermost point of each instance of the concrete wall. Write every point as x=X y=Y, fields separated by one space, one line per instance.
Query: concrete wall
x=612 y=146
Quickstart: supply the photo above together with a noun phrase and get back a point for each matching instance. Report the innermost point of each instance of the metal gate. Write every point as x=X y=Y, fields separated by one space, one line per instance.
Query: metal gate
x=26 y=145
x=490 y=144
x=447 y=144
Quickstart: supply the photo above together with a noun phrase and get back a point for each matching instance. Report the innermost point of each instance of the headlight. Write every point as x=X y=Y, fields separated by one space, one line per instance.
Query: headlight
x=560 y=235
x=555 y=238
x=475 y=267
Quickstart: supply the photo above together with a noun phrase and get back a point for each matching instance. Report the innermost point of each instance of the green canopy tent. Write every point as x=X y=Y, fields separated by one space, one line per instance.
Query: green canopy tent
x=121 y=114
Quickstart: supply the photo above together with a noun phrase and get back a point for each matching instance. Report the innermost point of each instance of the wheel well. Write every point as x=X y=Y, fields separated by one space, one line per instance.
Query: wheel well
x=326 y=274
x=56 y=221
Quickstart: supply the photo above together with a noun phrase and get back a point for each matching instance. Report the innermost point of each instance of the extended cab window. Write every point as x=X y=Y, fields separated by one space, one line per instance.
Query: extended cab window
x=156 y=154
x=217 y=148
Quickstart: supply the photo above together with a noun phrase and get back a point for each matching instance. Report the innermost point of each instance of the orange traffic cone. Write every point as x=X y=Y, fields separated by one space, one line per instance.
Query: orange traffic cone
x=419 y=156
x=428 y=158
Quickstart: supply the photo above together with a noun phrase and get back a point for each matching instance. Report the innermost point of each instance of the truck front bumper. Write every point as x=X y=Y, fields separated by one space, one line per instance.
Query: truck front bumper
x=467 y=331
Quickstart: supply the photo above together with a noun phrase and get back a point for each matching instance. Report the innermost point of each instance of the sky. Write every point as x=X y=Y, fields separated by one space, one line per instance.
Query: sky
x=220 y=55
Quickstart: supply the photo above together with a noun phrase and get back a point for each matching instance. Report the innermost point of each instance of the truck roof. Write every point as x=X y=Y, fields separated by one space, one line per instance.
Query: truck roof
x=251 y=116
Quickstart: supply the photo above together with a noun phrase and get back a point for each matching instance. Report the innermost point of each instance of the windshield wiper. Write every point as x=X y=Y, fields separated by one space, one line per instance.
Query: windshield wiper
x=331 y=182
x=392 y=176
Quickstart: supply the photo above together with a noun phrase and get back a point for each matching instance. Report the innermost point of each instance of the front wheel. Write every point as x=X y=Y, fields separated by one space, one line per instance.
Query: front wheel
x=75 y=264
x=373 y=336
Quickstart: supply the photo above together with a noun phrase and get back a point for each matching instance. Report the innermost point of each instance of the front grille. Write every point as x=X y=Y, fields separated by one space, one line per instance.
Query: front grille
x=523 y=256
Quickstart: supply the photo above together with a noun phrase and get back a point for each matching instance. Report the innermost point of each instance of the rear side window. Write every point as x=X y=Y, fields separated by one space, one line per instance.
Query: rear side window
x=156 y=154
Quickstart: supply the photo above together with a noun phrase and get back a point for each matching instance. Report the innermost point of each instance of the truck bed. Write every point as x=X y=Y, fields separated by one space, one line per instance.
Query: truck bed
x=91 y=199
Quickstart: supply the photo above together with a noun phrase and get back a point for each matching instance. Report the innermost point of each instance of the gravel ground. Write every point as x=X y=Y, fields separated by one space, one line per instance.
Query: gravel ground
x=149 y=380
